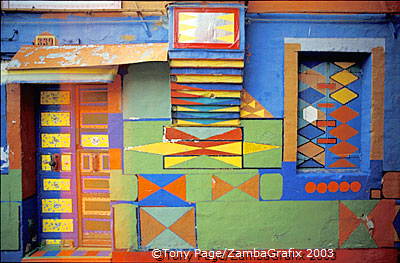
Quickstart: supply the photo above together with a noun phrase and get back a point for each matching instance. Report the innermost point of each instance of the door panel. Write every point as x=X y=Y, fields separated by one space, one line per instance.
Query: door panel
x=56 y=178
x=94 y=167
x=74 y=165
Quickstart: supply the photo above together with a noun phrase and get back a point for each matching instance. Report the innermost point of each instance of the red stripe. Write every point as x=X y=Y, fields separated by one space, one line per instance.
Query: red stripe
x=326 y=123
x=176 y=86
x=326 y=86
x=326 y=105
x=326 y=140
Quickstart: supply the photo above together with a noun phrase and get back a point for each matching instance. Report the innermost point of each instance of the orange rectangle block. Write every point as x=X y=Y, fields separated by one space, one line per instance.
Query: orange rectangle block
x=115 y=159
x=326 y=86
x=326 y=123
x=326 y=140
x=326 y=105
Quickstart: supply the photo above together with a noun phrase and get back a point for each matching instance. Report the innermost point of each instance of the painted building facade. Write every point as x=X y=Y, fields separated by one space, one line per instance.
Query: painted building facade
x=243 y=125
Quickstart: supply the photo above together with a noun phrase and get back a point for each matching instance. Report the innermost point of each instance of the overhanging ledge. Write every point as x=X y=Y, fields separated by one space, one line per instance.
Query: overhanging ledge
x=78 y=63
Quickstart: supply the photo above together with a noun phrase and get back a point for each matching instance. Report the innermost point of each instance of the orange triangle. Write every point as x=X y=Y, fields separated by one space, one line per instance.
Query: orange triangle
x=251 y=187
x=235 y=134
x=348 y=222
x=342 y=163
x=149 y=227
x=184 y=228
x=177 y=187
x=146 y=188
x=220 y=187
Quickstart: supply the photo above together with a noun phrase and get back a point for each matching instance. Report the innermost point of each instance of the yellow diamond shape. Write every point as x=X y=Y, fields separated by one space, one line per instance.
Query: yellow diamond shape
x=344 y=95
x=344 y=77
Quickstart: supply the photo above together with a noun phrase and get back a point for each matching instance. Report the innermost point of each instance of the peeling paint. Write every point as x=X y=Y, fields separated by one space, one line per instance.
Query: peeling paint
x=15 y=63
x=4 y=158
x=35 y=57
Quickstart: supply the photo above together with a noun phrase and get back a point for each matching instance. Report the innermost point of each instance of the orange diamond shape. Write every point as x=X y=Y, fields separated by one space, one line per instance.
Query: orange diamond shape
x=343 y=149
x=344 y=114
x=310 y=149
x=343 y=132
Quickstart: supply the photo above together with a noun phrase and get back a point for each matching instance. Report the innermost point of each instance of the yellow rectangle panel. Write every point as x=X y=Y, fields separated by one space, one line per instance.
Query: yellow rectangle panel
x=209 y=79
x=212 y=94
x=58 y=225
x=56 y=140
x=66 y=162
x=55 y=118
x=53 y=241
x=56 y=184
x=205 y=63
x=94 y=140
x=57 y=205
x=46 y=158
x=55 y=97
x=234 y=122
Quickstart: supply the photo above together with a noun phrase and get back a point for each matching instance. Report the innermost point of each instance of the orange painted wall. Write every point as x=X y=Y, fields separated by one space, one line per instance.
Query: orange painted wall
x=324 y=6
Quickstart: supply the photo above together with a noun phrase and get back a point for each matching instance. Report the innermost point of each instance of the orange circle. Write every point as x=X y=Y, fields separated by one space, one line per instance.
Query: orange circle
x=344 y=186
x=333 y=187
x=321 y=188
x=355 y=186
x=310 y=187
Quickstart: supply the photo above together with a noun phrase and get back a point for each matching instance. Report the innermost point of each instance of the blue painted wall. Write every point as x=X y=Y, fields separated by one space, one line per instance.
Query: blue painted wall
x=74 y=29
x=264 y=72
x=3 y=130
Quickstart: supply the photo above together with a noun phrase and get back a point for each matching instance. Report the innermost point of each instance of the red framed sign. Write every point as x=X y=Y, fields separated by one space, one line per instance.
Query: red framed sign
x=208 y=28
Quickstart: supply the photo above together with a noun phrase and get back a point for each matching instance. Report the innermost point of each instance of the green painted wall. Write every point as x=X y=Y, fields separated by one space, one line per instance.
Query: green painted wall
x=280 y=224
x=11 y=195
x=9 y=225
x=125 y=226
x=146 y=92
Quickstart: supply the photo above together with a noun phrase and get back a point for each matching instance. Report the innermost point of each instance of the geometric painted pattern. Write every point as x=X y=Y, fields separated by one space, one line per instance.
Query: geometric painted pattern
x=221 y=27
x=234 y=189
x=366 y=223
x=194 y=105
x=167 y=227
x=251 y=108
x=162 y=189
x=329 y=115
x=71 y=255
x=197 y=154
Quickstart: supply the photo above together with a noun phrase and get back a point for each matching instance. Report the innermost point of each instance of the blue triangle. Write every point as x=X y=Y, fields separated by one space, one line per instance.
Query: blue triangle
x=310 y=64
x=301 y=140
x=310 y=163
x=161 y=179
x=163 y=198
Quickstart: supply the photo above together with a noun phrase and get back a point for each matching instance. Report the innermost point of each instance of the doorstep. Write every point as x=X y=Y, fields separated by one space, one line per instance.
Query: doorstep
x=70 y=255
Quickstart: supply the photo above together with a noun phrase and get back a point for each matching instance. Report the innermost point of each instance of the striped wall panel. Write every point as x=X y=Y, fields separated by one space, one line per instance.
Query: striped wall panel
x=206 y=92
